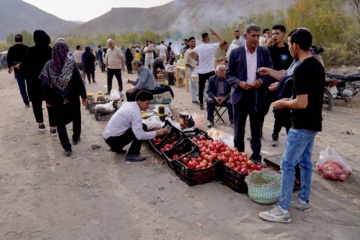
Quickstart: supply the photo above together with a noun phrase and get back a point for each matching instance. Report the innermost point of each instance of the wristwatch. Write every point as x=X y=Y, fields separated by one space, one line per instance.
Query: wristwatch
x=261 y=81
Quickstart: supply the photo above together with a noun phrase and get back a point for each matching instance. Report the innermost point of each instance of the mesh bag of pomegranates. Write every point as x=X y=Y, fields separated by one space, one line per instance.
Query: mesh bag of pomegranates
x=332 y=166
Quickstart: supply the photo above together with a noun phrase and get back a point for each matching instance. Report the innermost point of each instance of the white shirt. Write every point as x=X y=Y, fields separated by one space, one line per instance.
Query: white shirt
x=162 y=48
x=114 y=57
x=231 y=47
x=128 y=116
x=251 y=62
x=206 y=53
x=150 y=54
x=238 y=42
x=262 y=41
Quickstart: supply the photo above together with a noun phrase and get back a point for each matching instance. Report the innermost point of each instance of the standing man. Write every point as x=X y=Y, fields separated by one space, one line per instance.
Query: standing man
x=186 y=42
x=100 y=58
x=191 y=63
x=249 y=89
x=227 y=49
x=282 y=59
x=162 y=51
x=238 y=41
x=114 y=65
x=149 y=56
x=16 y=56
x=78 y=59
x=205 y=54
x=265 y=37
x=306 y=107
x=126 y=126
x=219 y=95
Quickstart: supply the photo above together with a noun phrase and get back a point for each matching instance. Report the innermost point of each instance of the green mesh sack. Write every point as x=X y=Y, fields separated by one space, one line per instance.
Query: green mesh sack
x=264 y=186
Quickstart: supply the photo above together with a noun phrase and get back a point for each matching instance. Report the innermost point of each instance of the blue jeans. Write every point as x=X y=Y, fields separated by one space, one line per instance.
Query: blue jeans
x=299 y=146
x=193 y=87
x=21 y=82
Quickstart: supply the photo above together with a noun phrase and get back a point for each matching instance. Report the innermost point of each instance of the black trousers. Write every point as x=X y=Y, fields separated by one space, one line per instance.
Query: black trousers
x=282 y=119
x=211 y=103
x=246 y=106
x=202 y=82
x=118 y=143
x=90 y=74
x=110 y=75
x=62 y=132
x=38 y=112
x=270 y=97
x=131 y=96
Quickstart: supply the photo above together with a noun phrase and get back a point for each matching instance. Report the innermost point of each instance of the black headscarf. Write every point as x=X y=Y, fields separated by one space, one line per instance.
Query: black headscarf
x=41 y=38
x=129 y=56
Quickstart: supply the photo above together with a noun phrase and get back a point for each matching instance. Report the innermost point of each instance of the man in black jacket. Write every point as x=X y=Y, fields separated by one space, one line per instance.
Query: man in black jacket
x=219 y=95
x=16 y=56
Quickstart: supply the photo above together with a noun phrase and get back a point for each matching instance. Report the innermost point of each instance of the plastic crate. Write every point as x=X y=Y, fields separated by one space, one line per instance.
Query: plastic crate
x=173 y=135
x=196 y=133
x=102 y=116
x=233 y=179
x=183 y=146
x=92 y=105
x=168 y=126
x=196 y=176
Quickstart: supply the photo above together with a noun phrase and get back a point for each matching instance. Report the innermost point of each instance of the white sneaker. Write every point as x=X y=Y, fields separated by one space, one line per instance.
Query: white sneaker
x=277 y=214
x=296 y=202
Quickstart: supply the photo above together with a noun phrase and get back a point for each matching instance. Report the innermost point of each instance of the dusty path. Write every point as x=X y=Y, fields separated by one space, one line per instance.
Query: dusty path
x=95 y=194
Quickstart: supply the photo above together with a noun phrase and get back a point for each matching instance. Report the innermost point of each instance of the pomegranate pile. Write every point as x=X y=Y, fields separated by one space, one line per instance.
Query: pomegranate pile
x=333 y=171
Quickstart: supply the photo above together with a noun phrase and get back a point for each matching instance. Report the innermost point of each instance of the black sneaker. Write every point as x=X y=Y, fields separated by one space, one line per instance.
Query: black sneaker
x=67 y=153
x=77 y=141
x=275 y=138
x=135 y=158
x=256 y=158
x=27 y=105
x=195 y=102
x=41 y=128
x=201 y=106
x=53 y=132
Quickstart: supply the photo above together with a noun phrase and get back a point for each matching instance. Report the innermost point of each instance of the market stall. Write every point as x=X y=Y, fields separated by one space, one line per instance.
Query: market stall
x=181 y=66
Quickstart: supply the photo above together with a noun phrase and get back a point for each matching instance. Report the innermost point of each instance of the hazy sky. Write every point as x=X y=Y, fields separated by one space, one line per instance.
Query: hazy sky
x=85 y=10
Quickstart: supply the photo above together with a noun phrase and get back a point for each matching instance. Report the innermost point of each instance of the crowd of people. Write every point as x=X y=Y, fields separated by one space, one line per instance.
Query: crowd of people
x=255 y=72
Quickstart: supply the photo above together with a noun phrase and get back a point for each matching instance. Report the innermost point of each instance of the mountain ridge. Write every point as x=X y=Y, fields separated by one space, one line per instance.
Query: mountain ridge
x=17 y=15
x=181 y=15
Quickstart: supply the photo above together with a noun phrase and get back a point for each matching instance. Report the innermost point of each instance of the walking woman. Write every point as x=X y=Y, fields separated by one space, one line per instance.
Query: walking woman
x=89 y=64
x=129 y=58
x=62 y=87
x=34 y=61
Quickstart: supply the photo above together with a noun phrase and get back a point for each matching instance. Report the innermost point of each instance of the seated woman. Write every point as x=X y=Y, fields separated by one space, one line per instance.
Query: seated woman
x=145 y=80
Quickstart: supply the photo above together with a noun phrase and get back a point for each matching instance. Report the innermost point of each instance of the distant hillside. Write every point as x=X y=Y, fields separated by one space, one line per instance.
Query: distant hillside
x=181 y=15
x=16 y=15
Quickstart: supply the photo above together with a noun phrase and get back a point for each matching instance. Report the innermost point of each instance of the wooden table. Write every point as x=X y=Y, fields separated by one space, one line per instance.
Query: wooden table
x=181 y=66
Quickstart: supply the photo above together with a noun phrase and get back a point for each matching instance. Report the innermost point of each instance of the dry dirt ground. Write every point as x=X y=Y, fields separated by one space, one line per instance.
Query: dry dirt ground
x=95 y=194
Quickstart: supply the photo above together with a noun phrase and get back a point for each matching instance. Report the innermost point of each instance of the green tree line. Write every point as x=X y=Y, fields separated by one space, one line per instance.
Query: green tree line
x=334 y=24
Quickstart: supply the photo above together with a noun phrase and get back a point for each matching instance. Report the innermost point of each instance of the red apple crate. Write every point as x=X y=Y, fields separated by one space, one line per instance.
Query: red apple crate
x=234 y=179
x=183 y=146
x=196 y=176
x=195 y=133
x=172 y=130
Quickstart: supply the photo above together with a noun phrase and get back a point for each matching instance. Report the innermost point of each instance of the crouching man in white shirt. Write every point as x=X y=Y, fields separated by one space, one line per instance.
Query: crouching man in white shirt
x=126 y=126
